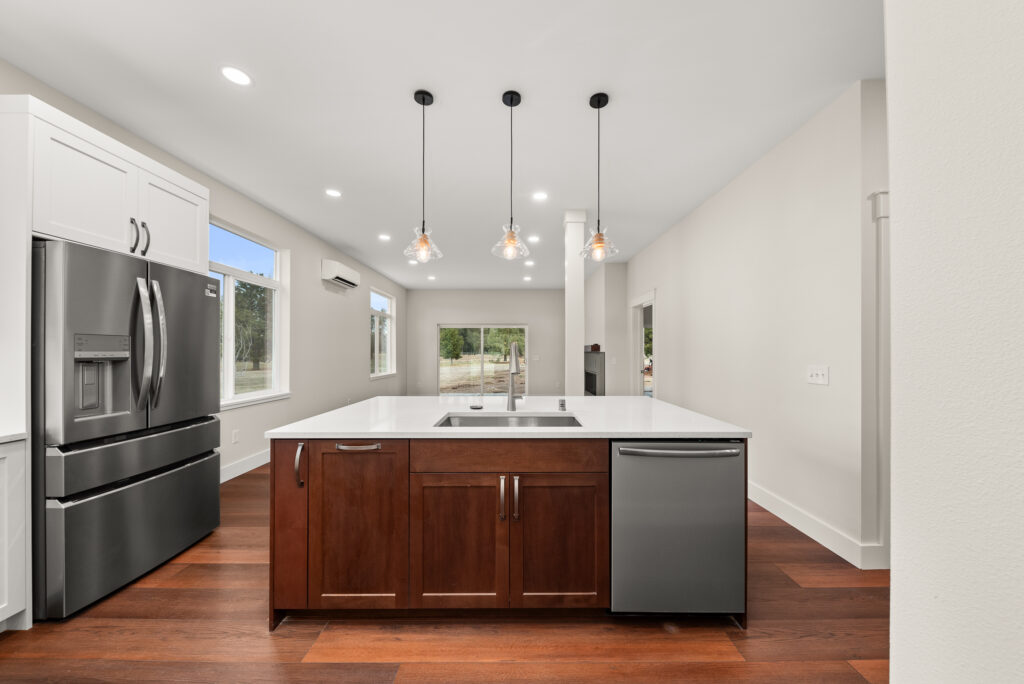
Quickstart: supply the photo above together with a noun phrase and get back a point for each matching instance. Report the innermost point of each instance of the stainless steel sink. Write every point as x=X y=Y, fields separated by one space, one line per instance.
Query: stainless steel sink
x=517 y=420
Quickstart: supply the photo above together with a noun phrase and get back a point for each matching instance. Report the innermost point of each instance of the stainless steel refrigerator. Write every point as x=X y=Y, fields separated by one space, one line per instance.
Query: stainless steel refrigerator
x=125 y=382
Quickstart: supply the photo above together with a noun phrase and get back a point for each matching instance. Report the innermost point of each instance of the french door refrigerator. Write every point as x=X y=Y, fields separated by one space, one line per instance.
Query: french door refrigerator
x=125 y=382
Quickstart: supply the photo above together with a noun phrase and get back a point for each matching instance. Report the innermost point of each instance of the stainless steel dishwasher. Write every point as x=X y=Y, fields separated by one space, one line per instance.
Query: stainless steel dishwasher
x=679 y=526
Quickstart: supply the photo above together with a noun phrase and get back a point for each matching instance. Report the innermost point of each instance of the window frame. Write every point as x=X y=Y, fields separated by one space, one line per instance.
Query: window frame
x=393 y=323
x=482 y=327
x=278 y=286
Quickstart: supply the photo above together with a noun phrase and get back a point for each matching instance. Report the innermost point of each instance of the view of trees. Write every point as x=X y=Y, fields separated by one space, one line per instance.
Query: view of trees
x=498 y=340
x=648 y=341
x=253 y=314
x=451 y=344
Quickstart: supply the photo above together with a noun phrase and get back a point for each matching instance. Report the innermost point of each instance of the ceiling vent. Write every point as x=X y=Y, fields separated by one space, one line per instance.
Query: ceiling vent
x=339 y=274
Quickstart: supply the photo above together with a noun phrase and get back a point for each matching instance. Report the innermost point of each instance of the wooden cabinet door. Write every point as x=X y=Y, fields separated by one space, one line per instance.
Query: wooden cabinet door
x=359 y=524
x=175 y=224
x=559 y=554
x=81 y=192
x=289 y=484
x=458 y=540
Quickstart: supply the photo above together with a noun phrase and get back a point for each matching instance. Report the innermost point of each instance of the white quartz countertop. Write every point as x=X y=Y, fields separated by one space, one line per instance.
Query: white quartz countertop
x=601 y=417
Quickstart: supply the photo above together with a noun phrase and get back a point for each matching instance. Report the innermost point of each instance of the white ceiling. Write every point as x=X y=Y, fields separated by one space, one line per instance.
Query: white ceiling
x=699 y=90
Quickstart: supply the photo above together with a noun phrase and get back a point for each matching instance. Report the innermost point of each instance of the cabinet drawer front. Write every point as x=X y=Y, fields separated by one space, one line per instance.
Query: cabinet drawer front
x=358 y=524
x=506 y=455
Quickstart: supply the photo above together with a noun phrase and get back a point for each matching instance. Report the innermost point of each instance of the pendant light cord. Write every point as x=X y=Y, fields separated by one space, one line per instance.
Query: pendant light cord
x=599 y=171
x=423 y=170
x=511 y=152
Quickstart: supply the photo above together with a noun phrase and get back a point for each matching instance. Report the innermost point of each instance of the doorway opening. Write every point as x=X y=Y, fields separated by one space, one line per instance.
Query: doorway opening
x=642 y=345
x=647 y=342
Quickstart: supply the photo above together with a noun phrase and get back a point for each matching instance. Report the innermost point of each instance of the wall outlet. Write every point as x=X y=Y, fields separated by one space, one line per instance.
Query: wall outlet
x=234 y=436
x=817 y=375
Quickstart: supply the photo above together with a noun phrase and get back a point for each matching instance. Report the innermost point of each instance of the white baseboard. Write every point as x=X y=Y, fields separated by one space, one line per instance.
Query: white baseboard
x=863 y=556
x=244 y=465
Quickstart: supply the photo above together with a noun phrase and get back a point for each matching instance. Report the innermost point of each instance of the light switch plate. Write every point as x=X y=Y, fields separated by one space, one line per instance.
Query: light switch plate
x=817 y=375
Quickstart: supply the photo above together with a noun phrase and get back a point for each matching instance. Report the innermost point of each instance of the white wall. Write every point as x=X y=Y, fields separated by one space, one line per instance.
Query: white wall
x=956 y=103
x=329 y=340
x=541 y=310
x=606 y=322
x=761 y=280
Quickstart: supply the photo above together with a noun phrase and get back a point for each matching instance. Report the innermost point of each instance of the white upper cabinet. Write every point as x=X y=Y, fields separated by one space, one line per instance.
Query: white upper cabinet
x=81 y=192
x=89 y=188
x=174 y=223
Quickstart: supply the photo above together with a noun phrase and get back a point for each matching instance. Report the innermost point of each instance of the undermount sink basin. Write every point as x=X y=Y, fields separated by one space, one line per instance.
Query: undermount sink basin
x=510 y=420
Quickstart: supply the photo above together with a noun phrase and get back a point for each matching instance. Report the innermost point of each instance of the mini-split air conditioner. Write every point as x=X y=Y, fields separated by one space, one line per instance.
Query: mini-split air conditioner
x=339 y=274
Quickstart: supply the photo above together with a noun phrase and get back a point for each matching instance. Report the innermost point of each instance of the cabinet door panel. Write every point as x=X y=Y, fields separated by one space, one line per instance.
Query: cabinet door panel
x=288 y=524
x=458 y=541
x=358 y=525
x=14 y=532
x=177 y=222
x=559 y=541
x=81 y=192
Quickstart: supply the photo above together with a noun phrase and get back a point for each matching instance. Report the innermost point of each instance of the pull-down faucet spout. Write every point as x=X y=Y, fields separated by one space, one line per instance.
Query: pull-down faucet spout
x=513 y=369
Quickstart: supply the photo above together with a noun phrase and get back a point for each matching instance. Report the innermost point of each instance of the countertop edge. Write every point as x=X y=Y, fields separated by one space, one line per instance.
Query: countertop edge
x=486 y=433
x=13 y=437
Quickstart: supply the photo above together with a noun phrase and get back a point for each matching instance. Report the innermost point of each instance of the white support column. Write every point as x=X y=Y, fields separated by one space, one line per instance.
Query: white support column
x=575 y=224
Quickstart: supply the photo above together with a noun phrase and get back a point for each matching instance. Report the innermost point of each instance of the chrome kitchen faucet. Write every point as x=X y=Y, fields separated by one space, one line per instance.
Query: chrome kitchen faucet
x=513 y=369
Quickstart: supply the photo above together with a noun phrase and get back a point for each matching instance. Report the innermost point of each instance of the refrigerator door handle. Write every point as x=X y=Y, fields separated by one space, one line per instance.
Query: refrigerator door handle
x=147 y=339
x=162 y=322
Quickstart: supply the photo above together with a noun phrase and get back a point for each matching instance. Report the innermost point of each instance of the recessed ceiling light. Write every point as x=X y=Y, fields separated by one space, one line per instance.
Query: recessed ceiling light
x=528 y=263
x=534 y=238
x=540 y=196
x=431 y=277
x=332 y=192
x=384 y=238
x=527 y=278
x=413 y=262
x=236 y=76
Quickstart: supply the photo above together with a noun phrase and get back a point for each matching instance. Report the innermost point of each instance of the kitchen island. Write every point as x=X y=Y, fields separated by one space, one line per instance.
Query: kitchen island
x=395 y=504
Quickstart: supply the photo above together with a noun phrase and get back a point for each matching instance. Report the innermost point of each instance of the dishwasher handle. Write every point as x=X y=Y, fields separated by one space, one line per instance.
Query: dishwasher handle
x=679 y=453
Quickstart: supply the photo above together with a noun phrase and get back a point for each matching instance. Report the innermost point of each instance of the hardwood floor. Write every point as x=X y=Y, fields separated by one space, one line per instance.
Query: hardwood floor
x=203 y=617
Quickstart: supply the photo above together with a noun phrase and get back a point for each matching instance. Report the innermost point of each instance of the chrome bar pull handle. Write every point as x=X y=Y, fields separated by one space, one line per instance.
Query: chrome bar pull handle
x=515 y=497
x=136 y=233
x=298 y=460
x=358 y=447
x=162 y=324
x=501 y=497
x=149 y=238
x=679 y=453
x=147 y=343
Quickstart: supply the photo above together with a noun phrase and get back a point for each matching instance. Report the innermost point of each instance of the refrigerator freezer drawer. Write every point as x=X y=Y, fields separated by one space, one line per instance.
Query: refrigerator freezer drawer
x=678 y=527
x=97 y=544
x=69 y=471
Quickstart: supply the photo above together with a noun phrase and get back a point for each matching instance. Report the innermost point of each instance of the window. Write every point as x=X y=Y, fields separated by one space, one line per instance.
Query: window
x=382 y=334
x=249 y=315
x=475 y=360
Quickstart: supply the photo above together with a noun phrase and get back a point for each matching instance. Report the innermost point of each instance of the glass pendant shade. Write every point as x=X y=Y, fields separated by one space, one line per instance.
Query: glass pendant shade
x=510 y=246
x=598 y=247
x=422 y=248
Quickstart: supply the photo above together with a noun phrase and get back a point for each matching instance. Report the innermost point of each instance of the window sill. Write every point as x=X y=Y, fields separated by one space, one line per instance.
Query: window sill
x=239 y=402
x=382 y=376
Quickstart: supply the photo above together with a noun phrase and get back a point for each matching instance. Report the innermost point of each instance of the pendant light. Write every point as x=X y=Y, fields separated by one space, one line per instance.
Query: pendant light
x=598 y=247
x=422 y=248
x=510 y=246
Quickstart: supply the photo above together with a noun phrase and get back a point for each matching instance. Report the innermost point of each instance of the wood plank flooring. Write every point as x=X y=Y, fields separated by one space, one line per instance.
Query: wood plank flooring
x=202 y=617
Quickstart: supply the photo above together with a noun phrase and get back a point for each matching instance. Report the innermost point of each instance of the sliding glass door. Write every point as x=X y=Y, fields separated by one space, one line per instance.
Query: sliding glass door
x=474 y=360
